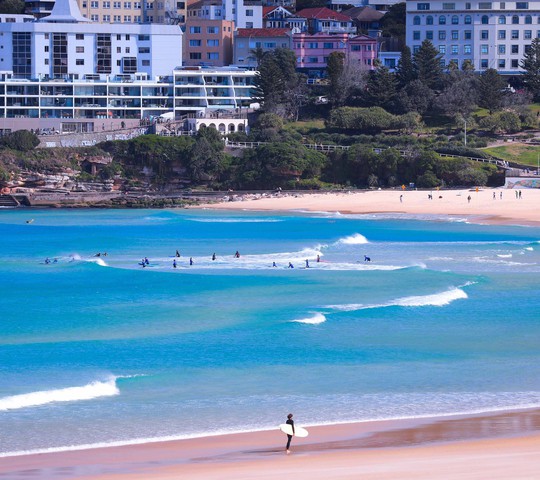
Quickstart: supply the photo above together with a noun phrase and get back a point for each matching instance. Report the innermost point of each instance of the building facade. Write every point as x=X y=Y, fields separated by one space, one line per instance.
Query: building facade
x=208 y=42
x=312 y=51
x=322 y=19
x=488 y=34
x=246 y=40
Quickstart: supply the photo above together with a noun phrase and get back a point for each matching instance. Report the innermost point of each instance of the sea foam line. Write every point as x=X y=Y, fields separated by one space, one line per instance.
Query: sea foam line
x=436 y=299
x=90 y=391
x=316 y=319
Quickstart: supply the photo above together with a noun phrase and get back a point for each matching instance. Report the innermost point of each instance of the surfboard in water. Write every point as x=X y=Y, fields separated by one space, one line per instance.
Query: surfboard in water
x=298 y=431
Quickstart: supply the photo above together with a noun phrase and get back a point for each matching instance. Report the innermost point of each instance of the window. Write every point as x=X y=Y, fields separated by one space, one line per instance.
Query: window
x=416 y=35
x=128 y=37
x=79 y=36
x=422 y=6
x=528 y=20
x=328 y=45
x=144 y=49
x=192 y=43
x=94 y=18
x=195 y=55
x=485 y=19
x=484 y=34
x=313 y=45
x=527 y=48
x=128 y=50
x=429 y=35
x=249 y=24
x=527 y=34
x=455 y=19
x=145 y=63
x=467 y=49
x=442 y=20
x=515 y=20
x=313 y=59
x=192 y=30
x=455 y=50
x=416 y=20
x=429 y=20
x=467 y=34
x=119 y=37
x=502 y=20
x=106 y=4
x=94 y=4
x=127 y=18
x=514 y=63
x=212 y=43
x=79 y=49
x=467 y=6
x=514 y=49
x=468 y=20
x=502 y=49
x=484 y=63
x=501 y=34
x=484 y=6
x=537 y=33
x=442 y=62
x=117 y=4
x=415 y=48
x=127 y=6
x=79 y=61
x=484 y=49
x=106 y=18
x=455 y=34
x=46 y=48
x=515 y=35
x=212 y=56
x=212 y=30
x=249 y=13
x=522 y=5
x=442 y=49
x=502 y=63
x=449 y=6
x=442 y=35
x=502 y=5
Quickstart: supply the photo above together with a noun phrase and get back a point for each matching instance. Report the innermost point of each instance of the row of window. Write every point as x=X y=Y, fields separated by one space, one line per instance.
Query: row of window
x=468 y=6
x=467 y=34
x=324 y=60
x=80 y=61
x=127 y=37
x=209 y=56
x=211 y=30
x=209 y=43
x=484 y=49
x=126 y=5
x=467 y=20
x=332 y=46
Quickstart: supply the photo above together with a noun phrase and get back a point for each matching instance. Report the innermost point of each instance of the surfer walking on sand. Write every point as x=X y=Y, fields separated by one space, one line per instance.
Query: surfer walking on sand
x=290 y=422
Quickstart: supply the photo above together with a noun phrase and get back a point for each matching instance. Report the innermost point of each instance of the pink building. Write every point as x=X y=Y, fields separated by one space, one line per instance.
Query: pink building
x=312 y=51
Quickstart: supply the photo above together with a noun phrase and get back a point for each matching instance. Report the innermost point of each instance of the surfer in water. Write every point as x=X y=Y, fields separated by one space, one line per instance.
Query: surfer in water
x=174 y=263
x=213 y=256
x=191 y=260
x=290 y=422
x=177 y=254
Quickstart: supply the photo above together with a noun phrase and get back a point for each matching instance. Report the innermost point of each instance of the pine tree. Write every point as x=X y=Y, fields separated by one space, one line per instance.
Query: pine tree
x=381 y=89
x=531 y=64
x=427 y=64
x=491 y=90
x=405 y=73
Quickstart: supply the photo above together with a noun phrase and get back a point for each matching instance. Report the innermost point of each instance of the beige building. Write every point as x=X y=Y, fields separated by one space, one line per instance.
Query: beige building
x=208 y=42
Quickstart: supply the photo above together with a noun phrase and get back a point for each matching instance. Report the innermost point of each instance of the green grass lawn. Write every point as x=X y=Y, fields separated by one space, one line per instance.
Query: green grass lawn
x=306 y=127
x=516 y=152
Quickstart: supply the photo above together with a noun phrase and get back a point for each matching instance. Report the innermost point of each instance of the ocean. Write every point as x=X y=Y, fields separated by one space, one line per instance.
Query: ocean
x=98 y=350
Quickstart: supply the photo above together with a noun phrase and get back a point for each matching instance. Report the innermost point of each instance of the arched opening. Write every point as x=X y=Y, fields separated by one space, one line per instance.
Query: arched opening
x=468 y=19
x=515 y=20
x=416 y=20
x=231 y=127
x=429 y=20
x=221 y=128
x=485 y=19
x=502 y=20
x=442 y=20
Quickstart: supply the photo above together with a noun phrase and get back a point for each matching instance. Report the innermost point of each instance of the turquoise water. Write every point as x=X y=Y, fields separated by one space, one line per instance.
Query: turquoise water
x=99 y=350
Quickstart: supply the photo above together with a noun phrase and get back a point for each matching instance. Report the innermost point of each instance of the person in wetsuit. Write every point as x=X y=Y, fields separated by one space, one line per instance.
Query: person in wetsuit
x=290 y=422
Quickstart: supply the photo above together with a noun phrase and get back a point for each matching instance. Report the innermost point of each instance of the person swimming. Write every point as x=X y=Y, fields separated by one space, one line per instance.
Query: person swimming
x=191 y=260
x=291 y=265
x=146 y=261
x=307 y=263
x=47 y=261
x=174 y=263
x=213 y=256
x=274 y=264
x=318 y=258
x=237 y=254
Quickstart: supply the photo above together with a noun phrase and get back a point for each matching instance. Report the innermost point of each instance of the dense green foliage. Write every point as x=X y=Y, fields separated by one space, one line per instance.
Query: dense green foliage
x=21 y=140
x=12 y=6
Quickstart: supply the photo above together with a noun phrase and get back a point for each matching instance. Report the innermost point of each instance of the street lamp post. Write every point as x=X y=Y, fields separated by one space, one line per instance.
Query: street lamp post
x=465 y=139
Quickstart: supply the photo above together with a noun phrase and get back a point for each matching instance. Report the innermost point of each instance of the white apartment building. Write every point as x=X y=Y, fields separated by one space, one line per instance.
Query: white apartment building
x=69 y=74
x=489 y=34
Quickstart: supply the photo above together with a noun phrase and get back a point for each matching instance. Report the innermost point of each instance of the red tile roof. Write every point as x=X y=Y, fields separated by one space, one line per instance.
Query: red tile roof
x=268 y=10
x=322 y=13
x=262 y=32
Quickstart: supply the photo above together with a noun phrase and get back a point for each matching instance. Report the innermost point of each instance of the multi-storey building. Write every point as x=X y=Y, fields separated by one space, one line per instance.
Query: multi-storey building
x=247 y=40
x=488 y=34
x=322 y=19
x=208 y=42
x=67 y=73
x=312 y=51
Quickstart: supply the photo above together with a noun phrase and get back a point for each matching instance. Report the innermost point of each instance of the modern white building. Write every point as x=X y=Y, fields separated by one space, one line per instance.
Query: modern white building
x=71 y=75
x=489 y=34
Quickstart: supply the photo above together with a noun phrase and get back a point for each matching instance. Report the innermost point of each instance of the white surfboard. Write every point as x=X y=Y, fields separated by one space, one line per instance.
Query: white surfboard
x=298 y=431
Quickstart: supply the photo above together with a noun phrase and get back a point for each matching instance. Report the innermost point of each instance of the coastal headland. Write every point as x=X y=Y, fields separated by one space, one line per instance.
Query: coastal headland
x=497 y=446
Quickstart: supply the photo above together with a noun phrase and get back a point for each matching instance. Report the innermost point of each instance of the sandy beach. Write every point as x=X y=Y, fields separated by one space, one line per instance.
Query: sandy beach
x=483 y=206
x=496 y=446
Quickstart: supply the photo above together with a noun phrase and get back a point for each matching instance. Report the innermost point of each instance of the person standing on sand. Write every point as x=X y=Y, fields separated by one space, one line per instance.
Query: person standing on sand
x=290 y=422
x=401 y=198
x=469 y=199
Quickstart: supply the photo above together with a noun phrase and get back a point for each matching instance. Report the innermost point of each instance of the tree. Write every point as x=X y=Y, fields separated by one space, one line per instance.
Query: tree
x=12 y=6
x=491 y=90
x=416 y=97
x=256 y=54
x=381 y=89
x=459 y=97
x=393 y=22
x=427 y=65
x=345 y=78
x=531 y=64
x=405 y=72
x=21 y=140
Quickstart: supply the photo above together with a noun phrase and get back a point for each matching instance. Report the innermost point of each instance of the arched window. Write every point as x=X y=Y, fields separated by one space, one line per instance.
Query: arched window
x=485 y=19
x=442 y=20
x=429 y=20
x=528 y=20
x=515 y=20
x=468 y=19
x=502 y=20
x=416 y=20
x=455 y=19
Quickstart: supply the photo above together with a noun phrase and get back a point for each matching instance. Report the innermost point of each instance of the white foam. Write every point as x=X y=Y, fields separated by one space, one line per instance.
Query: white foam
x=97 y=261
x=314 y=320
x=529 y=249
x=70 y=394
x=509 y=255
x=235 y=220
x=437 y=300
x=355 y=239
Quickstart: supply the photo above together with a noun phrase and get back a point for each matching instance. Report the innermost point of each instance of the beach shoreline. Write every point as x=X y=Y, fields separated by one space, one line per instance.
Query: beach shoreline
x=359 y=448
x=487 y=206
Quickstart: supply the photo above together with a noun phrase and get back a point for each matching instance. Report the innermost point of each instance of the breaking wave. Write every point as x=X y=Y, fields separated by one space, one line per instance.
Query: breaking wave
x=314 y=320
x=355 y=239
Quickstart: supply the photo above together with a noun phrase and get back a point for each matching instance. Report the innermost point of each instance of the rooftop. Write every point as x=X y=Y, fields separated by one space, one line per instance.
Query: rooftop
x=322 y=13
x=262 y=32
